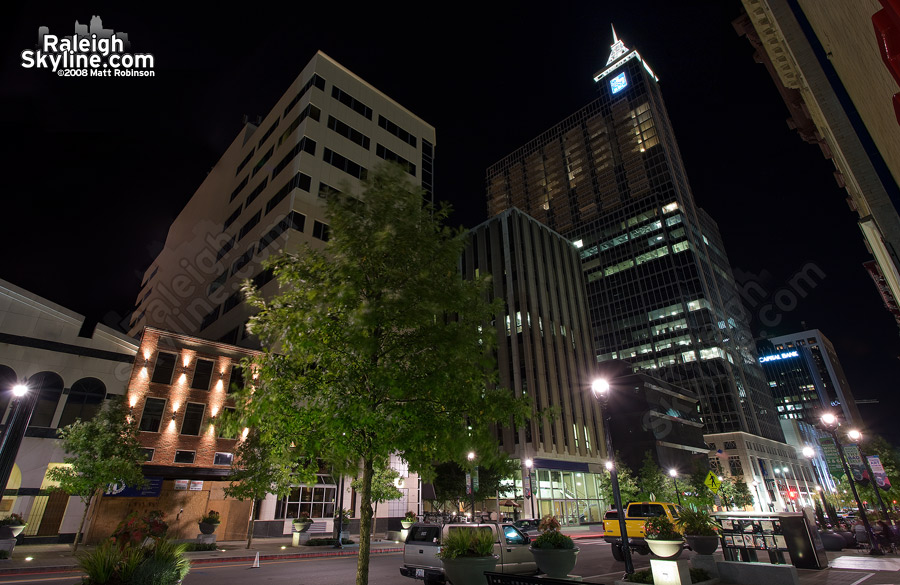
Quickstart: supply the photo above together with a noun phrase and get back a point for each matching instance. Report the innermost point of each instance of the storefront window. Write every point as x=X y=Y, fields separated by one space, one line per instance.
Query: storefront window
x=317 y=501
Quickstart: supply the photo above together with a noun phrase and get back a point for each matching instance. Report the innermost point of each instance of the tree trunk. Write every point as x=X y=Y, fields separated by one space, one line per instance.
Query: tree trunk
x=250 y=530
x=83 y=518
x=365 y=523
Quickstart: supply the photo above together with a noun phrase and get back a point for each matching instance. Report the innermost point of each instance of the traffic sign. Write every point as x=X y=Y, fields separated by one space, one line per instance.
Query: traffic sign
x=712 y=482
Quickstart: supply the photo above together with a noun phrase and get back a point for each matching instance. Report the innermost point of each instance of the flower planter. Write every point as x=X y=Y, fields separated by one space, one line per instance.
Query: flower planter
x=208 y=527
x=666 y=549
x=557 y=563
x=468 y=570
x=702 y=545
x=302 y=526
x=407 y=524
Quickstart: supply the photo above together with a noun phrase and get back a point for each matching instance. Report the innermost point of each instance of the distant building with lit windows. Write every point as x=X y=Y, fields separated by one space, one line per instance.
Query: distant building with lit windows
x=660 y=289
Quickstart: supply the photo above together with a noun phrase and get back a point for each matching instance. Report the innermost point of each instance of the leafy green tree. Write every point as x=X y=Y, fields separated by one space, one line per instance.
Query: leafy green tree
x=384 y=488
x=450 y=482
x=255 y=472
x=653 y=482
x=628 y=485
x=701 y=497
x=99 y=452
x=734 y=492
x=377 y=345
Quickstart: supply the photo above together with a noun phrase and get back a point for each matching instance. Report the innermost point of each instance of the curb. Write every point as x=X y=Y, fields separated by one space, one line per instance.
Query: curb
x=211 y=560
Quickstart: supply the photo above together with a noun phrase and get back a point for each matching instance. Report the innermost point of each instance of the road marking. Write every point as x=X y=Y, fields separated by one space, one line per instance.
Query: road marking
x=42 y=579
x=861 y=579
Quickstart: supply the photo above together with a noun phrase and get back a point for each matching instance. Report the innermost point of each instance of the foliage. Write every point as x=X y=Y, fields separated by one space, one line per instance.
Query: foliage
x=163 y=563
x=653 y=483
x=467 y=542
x=256 y=471
x=551 y=537
x=211 y=517
x=697 y=523
x=377 y=345
x=303 y=518
x=697 y=494
x=326 y=541
x=99 y=452
x=344 y=515
x=450 y=481
x=661 y=528
x=646 y=576
x=549 y=523
x=410 y=516
x=13 y=520
x=383 y=487
x=136 y=527
x=820 y=515
x=199 y=546
x=628 y=487
x=875 y=445
x=734 y=492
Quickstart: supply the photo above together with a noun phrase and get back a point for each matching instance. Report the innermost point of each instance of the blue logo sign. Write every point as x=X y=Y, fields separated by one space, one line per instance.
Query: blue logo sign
x=151 y=490
x=778 y=356
x=618 y=83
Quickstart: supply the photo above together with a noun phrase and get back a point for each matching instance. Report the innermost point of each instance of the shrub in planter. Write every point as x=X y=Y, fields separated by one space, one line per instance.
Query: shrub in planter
x=408 y=520
x=162 y=563
x=135 y=528
x=700 y=530
x=13 y=520
x=663 y=538
x=554 y=552
x=466 y=553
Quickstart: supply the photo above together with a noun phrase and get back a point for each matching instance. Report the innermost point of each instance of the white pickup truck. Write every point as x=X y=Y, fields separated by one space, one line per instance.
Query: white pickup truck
x=420 y=561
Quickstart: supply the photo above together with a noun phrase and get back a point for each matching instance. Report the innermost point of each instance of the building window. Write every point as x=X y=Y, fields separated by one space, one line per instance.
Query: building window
x=251 y=223
x=233 y=217
x=734 y=465
x=262 y=161
x=148 y=454
x=388 y=154
x=243 y=260
x=244 y=162
x=320 y=231
x=223 y=459
x=730 y=445
x=299 y=181
x=50 y=388
x=84 y=401
x=165 y=367
x=184 y=456
x=229 y=414
x=348 y=132
x=345 y=164
x=351 y=102
x=202 y=374
x=397 y=131
x=317 y=501
x=193 y=418
x=237 y=379
x=152 y=415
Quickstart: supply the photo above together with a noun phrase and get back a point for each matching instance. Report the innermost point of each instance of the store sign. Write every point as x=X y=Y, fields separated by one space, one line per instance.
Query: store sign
x=881 y=478
x=182 y=484
x=151 y=490
x=196 y=485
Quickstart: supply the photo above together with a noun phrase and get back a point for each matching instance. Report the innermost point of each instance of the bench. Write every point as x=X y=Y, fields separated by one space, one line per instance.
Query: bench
x=508 y=579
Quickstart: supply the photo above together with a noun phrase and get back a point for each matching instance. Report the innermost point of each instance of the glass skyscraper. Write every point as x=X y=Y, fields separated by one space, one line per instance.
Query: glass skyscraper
x=659 y=285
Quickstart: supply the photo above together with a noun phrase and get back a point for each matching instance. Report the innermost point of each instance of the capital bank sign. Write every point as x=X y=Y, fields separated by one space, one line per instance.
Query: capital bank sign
x=778 y=356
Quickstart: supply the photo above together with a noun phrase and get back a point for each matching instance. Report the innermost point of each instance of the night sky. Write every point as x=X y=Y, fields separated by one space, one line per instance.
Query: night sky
x=96 y=169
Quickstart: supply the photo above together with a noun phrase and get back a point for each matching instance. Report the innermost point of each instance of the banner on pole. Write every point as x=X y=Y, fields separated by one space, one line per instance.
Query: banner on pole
x=881 y=478
x=832 y=457
x=855 y=463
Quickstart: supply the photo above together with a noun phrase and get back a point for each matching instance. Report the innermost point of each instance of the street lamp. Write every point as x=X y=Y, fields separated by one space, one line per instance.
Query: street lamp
x=830 y=422
x=472 y=472
x=673 y=473
x=24 y=402
x=600 y=388
x=857 y=437
x=758 y=497
x=529 y=463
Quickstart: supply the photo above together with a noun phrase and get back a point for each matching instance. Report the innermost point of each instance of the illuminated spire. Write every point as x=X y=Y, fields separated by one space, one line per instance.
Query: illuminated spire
x=617 y=49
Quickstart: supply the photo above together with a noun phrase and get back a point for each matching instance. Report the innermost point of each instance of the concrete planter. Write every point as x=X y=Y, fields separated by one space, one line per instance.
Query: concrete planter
x=702 y=545
x=468 y=570
x=301 y=526
x=666 y=549
x=557 y=563
x=208 y=527
x=407 y=524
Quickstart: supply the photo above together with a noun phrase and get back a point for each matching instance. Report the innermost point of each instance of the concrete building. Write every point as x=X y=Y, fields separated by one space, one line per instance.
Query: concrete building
x=544 y=351
x=267 y=194
x=74 y=366
x=828 y=60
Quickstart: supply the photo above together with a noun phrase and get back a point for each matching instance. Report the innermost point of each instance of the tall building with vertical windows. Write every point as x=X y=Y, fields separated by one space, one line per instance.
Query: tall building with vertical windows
x=660 y=289
x=267 y=193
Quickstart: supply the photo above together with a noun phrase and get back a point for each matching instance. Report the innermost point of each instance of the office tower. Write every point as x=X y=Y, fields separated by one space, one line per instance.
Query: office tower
x=807 y=360
x=267 y=193
x=544 y=351
x=835 y=65
x=659 y=286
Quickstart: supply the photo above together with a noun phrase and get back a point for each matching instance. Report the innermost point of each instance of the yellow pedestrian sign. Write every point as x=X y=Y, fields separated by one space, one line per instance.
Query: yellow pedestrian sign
x=712 y=482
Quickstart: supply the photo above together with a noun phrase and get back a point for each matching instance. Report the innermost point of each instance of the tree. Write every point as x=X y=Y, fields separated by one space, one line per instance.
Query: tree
x=653 y=482
x=734 y=492
x=450 y=482
x=384 y=488
x=701 y=496
x=99 y=452
x=377 y=345
x=628 y=485
x=254 y=473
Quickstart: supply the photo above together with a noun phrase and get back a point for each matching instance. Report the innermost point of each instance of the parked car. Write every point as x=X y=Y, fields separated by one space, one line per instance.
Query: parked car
x=420 y=561
x=636 y=514
x=530 y=526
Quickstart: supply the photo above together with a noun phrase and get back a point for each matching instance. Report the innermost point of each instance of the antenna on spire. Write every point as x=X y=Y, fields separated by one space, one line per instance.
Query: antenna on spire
x=615 y=38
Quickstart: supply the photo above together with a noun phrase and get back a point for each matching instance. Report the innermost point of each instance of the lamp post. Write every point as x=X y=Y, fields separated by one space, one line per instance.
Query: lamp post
x=857 y=436
x=758 y=497
x=23 y=406
x=809 y=453
x=673 y=473
x=830 y=422
x=472 y=472
x=529 y=463
x=600 y=388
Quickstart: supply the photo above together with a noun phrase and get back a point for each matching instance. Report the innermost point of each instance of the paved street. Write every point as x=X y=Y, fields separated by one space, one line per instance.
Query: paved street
x=282 y=564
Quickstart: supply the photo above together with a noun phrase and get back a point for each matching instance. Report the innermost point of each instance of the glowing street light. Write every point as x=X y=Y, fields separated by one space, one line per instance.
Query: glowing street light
x=24 y=401
x=673 y=473
x=529 y=463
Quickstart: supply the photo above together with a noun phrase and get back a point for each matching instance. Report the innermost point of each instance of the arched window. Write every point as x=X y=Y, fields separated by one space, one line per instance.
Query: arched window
x=49 y=387
x=8 y=379
x=84 y=401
